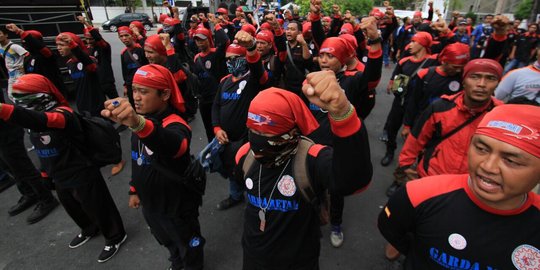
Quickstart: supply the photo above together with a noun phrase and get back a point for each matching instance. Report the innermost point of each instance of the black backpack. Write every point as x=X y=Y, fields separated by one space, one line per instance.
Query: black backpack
x=192 y=92
x=99 y=140
x=320 y=201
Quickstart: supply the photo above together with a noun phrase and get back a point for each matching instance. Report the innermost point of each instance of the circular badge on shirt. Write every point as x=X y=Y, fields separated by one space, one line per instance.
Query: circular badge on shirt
x=286 y=186
x=226 y=30
x=364 y=59
x=312 y=46
x=268 y=65
x=457 y=241
x=33 y=62
x=526 y=257
x=208 y=64
x=96 y=53
x=454 y=86
x=45 y=139
x=79 y=66
x=135 y=56
x=249 y=183
x=148 y=151
x=241 y=87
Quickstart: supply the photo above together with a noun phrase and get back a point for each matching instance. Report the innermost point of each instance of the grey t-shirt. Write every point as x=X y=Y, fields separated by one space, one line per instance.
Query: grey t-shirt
x=520 y=82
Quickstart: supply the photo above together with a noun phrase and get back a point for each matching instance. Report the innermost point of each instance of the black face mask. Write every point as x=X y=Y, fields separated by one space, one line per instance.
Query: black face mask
x=274 y=150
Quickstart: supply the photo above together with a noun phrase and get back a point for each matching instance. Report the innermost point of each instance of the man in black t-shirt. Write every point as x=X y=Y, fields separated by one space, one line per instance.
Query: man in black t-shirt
x=247 y=77
x=281 y=228
x=523 y=49
x=485 y=219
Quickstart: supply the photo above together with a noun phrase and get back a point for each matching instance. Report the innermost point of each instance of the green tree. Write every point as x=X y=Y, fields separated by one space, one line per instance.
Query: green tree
x=523 y=10
x=357 y=7
x=455 y=5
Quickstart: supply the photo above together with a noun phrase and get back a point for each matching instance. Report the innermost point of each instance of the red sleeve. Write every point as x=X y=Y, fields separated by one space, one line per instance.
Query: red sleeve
x=242 y=152
x=422 y=73
x=346 y=127
x=415 y=144
x=5 y=111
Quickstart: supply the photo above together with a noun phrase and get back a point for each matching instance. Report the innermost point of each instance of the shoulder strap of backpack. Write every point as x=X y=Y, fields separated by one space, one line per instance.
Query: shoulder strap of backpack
x=248 y=162
x=130 y=55
x=6 y=50
x=300 y=171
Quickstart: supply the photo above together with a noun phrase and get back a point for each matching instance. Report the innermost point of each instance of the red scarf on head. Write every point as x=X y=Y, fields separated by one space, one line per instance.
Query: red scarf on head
x=124 y=30
x=36 y=83
x=337 y=47
x=483 y=65
x=75 y=39
x=351 y=41
x=249 y=28
x=455 y=54
x=205 y=32
x=154 y=43
x=277 y=111
x=514 y=124
x=160 y=78
x=139 y=26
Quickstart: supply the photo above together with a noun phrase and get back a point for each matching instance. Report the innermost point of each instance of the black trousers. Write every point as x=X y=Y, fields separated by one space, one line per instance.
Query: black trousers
x=251 y=264
x=337 y=204
x=14 y=160
x=181 y=236
x=92 y=208
x=110 y=90
x=394 y=122
x=206 y=115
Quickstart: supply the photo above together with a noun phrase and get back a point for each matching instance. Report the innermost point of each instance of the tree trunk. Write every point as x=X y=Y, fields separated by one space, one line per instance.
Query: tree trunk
x=535 y=10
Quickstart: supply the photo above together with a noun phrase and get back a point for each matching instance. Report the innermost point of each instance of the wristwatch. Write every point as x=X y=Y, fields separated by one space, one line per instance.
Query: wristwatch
x=374 y=41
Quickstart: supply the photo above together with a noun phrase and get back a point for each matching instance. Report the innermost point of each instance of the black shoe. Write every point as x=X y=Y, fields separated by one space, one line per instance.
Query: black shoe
x=384 y=136
x=387 y=159
x=24 y=203
x=393 y=188
x=228 y=203
x=79 y=240
x=42 y=210
x=6 y=183
x=109 y=251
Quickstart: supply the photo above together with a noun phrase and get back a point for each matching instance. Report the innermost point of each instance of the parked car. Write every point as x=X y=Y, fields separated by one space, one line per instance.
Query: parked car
x=125 y=19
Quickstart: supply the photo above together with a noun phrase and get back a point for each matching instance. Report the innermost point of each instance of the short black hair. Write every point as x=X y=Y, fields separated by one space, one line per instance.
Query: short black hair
x=4 y=30
x=299 y=25
x=489 y=15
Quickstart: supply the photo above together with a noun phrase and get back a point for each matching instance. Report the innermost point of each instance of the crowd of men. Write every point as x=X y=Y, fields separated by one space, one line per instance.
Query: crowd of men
x=283 y=99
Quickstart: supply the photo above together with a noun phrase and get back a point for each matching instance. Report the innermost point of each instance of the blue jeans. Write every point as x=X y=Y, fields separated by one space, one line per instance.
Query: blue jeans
x=386 y=53
x=235 y=189
x=514 y=63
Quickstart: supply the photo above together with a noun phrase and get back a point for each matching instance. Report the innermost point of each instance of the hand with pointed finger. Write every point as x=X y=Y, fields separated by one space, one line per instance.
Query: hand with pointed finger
x=322 y=89
x=120 y=111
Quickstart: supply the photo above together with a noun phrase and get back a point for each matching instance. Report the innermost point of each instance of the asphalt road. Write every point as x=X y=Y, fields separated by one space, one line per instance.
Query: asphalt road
x=45 y=245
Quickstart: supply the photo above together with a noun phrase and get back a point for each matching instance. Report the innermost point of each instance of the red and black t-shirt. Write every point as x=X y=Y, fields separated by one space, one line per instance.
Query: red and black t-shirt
x=439 y=223
x=164 y=140
x=54 y=134
x=230 y=107
x=292 y=231
x=429 y=85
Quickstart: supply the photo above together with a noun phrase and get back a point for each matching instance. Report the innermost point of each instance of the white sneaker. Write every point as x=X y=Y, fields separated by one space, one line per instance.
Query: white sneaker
x=336 y=238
